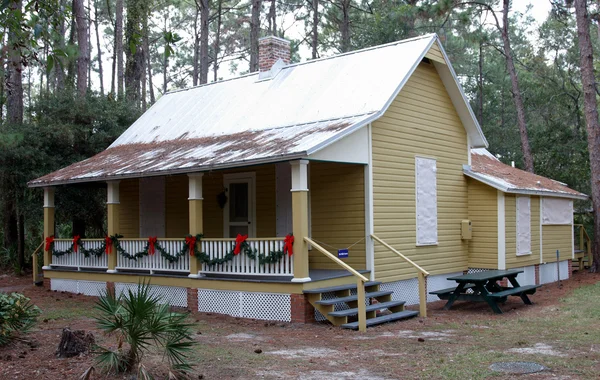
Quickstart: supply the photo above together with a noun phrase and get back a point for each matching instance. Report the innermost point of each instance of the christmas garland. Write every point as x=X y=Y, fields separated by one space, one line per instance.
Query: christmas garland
x=241 y=245
x=153 y=245
x=78 y=246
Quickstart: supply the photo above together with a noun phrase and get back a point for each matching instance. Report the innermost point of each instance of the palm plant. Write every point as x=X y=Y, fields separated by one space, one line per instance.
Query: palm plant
x=141 y=323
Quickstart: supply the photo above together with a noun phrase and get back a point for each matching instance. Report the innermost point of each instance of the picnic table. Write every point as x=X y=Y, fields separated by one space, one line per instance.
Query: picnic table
x=484 y=287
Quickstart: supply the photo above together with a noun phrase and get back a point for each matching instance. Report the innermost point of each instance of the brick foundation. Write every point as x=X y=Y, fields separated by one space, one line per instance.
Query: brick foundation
x=302 y=310
x=570 y=268
x=537 y=274
x=192 y=299
x=47 y=283
x=503 y=282
x=110 y=288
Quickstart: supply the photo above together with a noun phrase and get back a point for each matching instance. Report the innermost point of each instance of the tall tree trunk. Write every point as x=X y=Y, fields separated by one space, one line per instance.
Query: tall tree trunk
x=254 y=34
x=480 y=87
x=99 y=47
x=345 y=26
x=217 y=43
x=119 y=46
x=14 y=84
x=59 y=72
x=204 y=16
x=134 y=51
x=315 y=29
x=148 y=60
x=21 y=240
x=272 y=17
x=196 y=55
x=516 y=92
x=588 y=80
x=89 y=43
x=82 y=47
x=165 y=59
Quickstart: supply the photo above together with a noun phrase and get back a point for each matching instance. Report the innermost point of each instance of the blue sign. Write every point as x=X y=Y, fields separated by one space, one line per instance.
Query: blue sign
x=343 y=253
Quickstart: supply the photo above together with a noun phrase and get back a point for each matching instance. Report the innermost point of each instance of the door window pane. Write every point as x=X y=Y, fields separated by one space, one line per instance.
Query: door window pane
x=238 y=206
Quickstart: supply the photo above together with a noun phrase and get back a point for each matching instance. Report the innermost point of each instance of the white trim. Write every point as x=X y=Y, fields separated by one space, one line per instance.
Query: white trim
x=250 y=178
x=299 y=175
x=369 y=245
x=572 y=244
x=48 y=197
x=541 y=230
x=301 y=279
x=501 y=231
x=112 y=192
x=469 y=152
x=195 y=186
x=476 y=176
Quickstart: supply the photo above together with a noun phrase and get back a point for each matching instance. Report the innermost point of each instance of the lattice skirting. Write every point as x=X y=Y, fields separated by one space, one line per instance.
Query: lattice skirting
x=265 y=306
x=549 y=272
x=171 y=295
x=88 y=288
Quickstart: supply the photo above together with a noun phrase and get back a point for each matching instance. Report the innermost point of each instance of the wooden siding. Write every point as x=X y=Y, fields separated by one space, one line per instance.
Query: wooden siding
x=435 y=54
x=129 y=210
x=483 y=213
x=212 y=185
x=421 y=121
x=337 y=197
x=557 y=237
x=177 y=208
x=512 y=260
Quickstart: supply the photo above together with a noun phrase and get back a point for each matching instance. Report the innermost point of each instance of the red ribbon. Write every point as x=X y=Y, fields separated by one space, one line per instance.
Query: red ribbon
x=151 y=242
x=288 y=245
x=75 y=243
x=238 y=243
x=190 y=241
x=49 y=241
x=108 y=245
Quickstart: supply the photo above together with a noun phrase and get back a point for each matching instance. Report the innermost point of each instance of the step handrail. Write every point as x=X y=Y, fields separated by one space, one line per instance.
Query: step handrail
x=583 y=235
x=360 y=283
x=421 y=274
x=34 y=262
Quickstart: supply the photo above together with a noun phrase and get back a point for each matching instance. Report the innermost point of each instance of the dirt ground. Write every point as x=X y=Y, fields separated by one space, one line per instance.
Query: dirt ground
x=460 y=343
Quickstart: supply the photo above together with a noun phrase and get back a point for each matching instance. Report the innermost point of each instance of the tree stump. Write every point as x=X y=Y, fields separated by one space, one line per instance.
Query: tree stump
x=75 y=342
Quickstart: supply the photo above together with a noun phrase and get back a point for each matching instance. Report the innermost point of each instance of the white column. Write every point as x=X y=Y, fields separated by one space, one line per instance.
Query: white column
x=300 y=219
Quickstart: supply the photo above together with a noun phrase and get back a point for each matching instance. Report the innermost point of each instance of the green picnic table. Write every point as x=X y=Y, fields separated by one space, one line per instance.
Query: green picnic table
x=484 y=287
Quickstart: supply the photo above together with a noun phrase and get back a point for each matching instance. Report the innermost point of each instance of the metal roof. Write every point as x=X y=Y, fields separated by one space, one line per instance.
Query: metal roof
x=353 y=89
x=486 y=168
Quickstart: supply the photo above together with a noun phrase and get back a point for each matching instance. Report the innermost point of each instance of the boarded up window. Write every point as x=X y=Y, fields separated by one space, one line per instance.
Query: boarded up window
x=557 y=211
x=523 y=225
x=426 y=193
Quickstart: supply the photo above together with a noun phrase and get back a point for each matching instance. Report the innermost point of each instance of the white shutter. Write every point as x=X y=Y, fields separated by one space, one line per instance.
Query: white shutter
x=523 y=226
x=426 y=196
x=557 y=211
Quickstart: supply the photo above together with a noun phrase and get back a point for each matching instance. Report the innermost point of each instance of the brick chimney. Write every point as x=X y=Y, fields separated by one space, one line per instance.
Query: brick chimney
x=270 y=49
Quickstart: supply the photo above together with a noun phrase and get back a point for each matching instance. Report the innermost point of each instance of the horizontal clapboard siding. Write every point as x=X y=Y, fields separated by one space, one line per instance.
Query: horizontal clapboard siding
x=177 y=209
x=129 y=208
x=420 y=121
x=557 y=237
x=483 y=213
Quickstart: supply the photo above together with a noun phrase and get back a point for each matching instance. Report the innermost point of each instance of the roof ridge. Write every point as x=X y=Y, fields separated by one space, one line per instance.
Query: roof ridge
x=291 y=65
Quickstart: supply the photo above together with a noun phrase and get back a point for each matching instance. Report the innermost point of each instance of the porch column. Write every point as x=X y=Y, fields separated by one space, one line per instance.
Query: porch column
x=196 y=227
x=300 y=219
x=48 y=223
x=112 y=216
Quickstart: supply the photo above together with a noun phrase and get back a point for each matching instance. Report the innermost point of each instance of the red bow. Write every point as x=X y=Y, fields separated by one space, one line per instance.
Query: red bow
x=238 y=243
x=49 y=241
x=288 y=245
x=190 y=241
x=151 y=242
x=76 y=239
x=107 y=245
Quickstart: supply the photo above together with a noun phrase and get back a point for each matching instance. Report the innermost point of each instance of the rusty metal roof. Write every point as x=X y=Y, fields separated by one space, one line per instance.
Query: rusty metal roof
x=297 y=111
x=488 y=169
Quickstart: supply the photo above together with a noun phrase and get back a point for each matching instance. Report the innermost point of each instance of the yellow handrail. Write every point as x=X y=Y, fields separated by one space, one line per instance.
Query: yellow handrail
x=34 y=262
x=360 y=284
x=421 y=274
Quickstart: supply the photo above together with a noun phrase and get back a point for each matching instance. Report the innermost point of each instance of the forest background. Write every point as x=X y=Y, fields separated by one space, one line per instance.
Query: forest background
x=76 y=73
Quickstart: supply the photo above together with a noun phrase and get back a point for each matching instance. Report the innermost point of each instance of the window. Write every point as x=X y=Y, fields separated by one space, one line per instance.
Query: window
x=426 y=196
x=523 y=226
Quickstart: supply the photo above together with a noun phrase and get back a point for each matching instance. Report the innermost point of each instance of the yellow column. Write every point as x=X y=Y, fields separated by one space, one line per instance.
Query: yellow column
x=300 y=219
x=48 y=223
x=112 y=216
x=195 y=204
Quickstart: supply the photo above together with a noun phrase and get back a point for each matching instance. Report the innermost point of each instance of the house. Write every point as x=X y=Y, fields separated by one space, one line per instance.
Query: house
x=302 y=186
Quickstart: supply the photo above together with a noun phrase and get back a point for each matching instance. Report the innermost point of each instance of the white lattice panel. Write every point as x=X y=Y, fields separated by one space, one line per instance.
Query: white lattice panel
x=527 y=277
x=63 y=285
x=266 y=306
x=438 y=282
x=91 y=288
x=171 y=295
x=405 y=290
x=477 y=270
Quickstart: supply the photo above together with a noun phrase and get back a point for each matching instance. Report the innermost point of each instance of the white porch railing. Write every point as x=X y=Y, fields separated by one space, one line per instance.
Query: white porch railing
x=78 y=260
x=154 y=262
x=244 y=265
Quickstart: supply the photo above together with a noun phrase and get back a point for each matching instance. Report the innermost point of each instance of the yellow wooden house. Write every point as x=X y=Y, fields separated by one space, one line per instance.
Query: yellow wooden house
x=363 y=159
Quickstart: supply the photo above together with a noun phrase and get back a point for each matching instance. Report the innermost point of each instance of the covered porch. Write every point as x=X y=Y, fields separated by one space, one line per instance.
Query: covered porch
x=243 y=224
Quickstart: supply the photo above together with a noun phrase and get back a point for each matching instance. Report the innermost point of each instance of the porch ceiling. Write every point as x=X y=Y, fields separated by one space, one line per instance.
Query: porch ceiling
x=201 y=154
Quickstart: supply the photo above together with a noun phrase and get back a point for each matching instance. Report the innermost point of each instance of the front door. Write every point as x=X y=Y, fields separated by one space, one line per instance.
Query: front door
x=239 y=212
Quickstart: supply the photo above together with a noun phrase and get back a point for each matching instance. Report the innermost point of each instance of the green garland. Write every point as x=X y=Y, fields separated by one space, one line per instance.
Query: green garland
x=272 y=258
x=92 y=252
x=146 y=251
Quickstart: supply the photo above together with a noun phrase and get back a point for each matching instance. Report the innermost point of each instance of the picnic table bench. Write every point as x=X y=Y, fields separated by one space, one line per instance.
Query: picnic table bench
x=484 y=287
